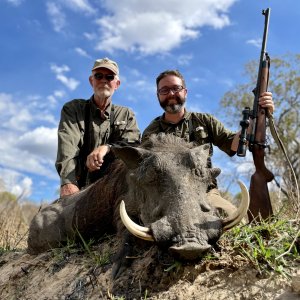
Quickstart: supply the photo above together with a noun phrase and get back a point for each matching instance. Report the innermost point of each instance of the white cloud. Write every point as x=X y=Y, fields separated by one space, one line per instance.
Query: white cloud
x=33 y=152
x=59 y=69
x=143 y=33
x=143 y=26
x=59 y=93
x=15 y=2
x=70 y=83
x=16 y=183
x=17 y=117
x=23 y=116
x=41 y=141
x=5 y=100
x=256 y=43
x=24 y=149
x=23 y=187
x=57 y=17
x=52 y=99
x=13 y=113
x=79 y=5
x=228 y=82
x=203 y=80
x=90 y=36
x=184 y=59
x=82 y=52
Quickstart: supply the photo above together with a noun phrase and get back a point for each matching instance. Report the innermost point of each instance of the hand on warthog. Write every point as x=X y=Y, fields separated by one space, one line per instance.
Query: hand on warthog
x=95 y=159
x=68 y=189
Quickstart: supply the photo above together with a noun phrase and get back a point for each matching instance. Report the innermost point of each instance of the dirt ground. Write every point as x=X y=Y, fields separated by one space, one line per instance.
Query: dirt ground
x=72 y=273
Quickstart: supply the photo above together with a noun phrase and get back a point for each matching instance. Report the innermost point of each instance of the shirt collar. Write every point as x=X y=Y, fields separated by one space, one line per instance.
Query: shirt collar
x=96 y=111
x=185 y=117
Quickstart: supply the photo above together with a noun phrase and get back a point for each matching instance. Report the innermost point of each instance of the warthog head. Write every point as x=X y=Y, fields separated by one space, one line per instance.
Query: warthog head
x=168 y=180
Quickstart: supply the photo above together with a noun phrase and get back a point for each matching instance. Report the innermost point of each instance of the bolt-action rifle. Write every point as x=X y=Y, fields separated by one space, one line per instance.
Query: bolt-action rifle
x=259 y=195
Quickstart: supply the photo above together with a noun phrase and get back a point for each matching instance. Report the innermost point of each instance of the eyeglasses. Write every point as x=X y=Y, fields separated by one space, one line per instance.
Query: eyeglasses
x=166 y=90
x=108 y=77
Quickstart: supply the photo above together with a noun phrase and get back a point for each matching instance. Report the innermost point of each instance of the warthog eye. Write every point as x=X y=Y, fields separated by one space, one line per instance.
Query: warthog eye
x=148 y=176
x=198 y=172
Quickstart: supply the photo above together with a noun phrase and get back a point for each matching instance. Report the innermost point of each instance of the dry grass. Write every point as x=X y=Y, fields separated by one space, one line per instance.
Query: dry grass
x=15 y=218
x=246 y=262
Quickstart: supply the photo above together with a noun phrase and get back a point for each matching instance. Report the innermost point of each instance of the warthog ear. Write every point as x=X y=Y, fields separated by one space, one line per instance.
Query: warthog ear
x=202 y=150
x=215 y=172
x=132 y=156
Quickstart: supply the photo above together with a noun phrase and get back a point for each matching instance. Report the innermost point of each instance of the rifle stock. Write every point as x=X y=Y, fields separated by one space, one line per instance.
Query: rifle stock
x=260 y=203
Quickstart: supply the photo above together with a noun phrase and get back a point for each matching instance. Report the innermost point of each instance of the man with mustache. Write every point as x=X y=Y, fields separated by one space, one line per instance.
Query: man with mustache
x=200 y=128
x=87 y=128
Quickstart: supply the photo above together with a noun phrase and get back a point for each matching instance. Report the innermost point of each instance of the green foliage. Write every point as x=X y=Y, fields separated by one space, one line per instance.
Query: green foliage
x=7 y=196
x=175 y=266
x=112 y=297
x=95 y=256
x=99 y=259
x=269 y=245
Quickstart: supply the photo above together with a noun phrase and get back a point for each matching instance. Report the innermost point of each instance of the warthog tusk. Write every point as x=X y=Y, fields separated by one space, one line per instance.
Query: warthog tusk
x=137 y=230
x=240 y=213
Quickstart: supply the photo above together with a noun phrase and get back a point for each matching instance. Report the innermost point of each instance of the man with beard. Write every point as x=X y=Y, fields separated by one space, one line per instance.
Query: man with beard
x=87 y=128
x=200 y=128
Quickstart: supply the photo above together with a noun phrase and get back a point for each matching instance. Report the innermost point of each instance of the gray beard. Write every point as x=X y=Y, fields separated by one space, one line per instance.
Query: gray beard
x=173 y=108
x=102 y=96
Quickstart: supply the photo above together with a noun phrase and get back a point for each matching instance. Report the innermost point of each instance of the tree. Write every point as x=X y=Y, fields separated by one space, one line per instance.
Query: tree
x=284 y=84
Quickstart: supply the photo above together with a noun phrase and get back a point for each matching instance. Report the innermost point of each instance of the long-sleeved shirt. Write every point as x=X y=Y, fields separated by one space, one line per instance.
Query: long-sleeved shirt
x=102 y=130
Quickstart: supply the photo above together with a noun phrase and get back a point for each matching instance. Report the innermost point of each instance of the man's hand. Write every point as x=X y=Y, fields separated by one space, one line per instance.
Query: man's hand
x=68 y=189
x=265 y=100
x=95 y=160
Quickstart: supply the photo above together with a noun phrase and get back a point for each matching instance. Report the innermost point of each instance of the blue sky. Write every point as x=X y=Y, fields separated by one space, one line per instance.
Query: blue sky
x=48 y=48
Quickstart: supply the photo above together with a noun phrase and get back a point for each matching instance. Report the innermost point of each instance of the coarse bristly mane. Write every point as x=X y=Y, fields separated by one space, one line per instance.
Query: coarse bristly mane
x=164 y=142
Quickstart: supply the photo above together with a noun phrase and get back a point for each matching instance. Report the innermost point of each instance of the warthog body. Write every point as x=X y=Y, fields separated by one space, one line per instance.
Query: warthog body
x=163 y=185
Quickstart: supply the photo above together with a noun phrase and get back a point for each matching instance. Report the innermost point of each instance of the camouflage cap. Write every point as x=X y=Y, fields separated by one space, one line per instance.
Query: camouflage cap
x=107 y=64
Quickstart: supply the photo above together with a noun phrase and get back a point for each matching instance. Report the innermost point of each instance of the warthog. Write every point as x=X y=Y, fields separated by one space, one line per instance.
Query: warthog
x=163 y=185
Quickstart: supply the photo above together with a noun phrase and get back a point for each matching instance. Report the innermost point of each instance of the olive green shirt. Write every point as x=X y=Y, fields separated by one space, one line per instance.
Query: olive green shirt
x=122 y=129
x=201 y=128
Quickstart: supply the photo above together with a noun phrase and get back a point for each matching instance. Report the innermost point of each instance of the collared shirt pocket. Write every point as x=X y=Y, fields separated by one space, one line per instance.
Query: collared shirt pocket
x=119 y=128
x=120 y=125
x=201 y=135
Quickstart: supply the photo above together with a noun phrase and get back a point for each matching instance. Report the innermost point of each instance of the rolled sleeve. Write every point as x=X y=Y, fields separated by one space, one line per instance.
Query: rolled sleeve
x=221 y=137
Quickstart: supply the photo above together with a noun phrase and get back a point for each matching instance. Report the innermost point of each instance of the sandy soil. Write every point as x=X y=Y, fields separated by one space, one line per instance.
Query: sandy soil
x=72 y=273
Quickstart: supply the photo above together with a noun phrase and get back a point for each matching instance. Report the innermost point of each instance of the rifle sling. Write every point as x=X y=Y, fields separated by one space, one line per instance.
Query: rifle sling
x=86 y=137
x=111 y=120
x=279 y=143
x=87 y=147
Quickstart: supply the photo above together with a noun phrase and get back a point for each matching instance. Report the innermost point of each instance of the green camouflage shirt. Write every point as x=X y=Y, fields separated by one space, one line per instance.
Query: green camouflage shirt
x=201 y=128
x=102 y=130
